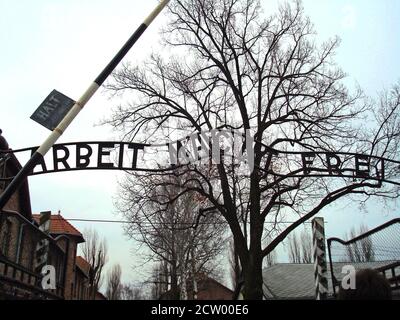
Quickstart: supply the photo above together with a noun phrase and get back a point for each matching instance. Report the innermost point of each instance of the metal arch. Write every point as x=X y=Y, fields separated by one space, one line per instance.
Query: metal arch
x=309 y=171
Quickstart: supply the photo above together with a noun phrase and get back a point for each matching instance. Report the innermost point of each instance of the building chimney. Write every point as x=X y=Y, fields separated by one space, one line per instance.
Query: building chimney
x=3 y=142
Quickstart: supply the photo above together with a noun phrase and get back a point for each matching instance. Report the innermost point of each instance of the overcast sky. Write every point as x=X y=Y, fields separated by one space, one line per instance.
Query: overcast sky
x=64 y=44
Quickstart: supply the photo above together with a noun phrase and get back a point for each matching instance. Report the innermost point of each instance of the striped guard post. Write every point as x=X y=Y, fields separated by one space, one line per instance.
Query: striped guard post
x=320 y=267
x=78 y=106
x=42 y=247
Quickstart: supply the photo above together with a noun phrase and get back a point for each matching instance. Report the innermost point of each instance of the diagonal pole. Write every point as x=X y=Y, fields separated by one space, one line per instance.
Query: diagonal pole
x=78 y=106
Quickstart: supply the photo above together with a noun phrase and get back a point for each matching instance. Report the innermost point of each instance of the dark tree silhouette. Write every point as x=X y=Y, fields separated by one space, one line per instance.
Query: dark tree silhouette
x=362 y=250
x=94 y=251
x=300 y=248
x=114 y=285
x=226 y=66
x=166 y=221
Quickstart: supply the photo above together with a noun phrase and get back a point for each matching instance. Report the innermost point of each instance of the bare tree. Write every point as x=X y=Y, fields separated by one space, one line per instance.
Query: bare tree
x=306 y=247
x=271 y=258
x=94 y=251
x=234 y=263
x=295 y=253
x=361 y=250
x=130 y=292
x=114 y=285
x=227 y=67
x=182 y=243
x=160 y=282
x=300 y=248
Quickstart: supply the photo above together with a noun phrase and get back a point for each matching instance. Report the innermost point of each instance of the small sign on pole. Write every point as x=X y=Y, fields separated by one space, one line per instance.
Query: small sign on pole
x=52 y=110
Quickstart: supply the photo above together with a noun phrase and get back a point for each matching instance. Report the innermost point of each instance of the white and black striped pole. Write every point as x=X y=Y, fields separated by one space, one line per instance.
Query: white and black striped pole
x=320 y=267
x=77 y=107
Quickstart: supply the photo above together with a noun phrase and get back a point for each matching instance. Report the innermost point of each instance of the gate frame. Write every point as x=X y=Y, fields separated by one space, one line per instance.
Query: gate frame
x=361 y=236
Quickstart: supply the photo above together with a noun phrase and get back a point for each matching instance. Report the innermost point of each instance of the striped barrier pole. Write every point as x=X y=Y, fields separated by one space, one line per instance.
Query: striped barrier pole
x=320 y=267
x=77 y=107
x=42 y=248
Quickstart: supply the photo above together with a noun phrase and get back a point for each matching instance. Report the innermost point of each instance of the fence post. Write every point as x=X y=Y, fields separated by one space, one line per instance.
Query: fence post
x=320 y=267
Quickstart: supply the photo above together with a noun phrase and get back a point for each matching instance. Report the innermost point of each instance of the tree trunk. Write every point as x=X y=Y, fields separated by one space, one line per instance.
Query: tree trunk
x=193 y=263
x=253 y=280
x=183 y=292
x=165 y=278
x=174 y=283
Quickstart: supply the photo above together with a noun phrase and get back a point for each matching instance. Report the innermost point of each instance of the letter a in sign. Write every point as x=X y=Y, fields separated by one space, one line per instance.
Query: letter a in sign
x=52 y=110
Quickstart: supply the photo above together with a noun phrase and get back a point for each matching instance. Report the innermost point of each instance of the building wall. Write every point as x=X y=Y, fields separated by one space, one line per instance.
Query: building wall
x=100 y=296
x=69 y=283
x=19 y=247
x=207 y=289
x=18 y=239
x=14 y=204
x=211 y=290
x=9 y=229
x=81 y=289
x=29 y=240
x=57 y=259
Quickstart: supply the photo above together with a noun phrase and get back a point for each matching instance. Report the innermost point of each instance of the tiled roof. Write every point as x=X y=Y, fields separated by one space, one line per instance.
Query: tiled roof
x=82 y=264
x=207 y=280
x=289 y=281
x=58 y=225
x=100 y=296
x=296 y=281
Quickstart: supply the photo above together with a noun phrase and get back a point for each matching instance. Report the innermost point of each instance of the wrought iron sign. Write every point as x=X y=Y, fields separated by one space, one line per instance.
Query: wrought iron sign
x=128 y=156
x=86 y=156
x=328 y=164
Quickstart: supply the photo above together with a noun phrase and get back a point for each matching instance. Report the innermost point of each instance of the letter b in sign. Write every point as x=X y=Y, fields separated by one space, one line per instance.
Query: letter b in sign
x=83 y=154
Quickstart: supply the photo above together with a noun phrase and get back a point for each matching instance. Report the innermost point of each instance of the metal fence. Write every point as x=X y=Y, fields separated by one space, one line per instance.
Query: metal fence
x=377 y=249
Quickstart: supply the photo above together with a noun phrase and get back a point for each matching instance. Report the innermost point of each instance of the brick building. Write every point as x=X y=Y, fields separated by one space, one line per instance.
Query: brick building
x=207 y=289
x=67 y=237
x=81 y=281
x=210 y=289
x=19 y=236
